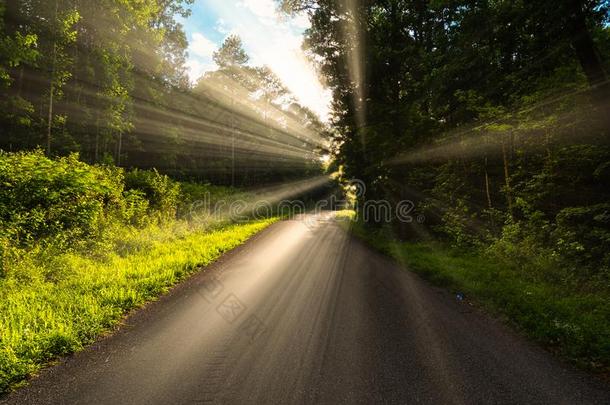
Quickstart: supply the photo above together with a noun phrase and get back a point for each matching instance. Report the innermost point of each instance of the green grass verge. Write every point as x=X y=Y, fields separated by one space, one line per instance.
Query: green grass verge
x=47 y=314
x=572 y=323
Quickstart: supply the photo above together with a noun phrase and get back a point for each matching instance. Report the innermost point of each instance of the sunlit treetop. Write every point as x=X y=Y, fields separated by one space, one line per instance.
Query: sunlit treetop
x=231 y=53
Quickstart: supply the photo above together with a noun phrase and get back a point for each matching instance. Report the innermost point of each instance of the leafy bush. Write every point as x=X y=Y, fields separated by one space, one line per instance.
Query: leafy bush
x=136 y=208
x=161 y=192
x=80 y=245
x=67 y=203
x=41 y=198
x=583 y=235
x=457 y=224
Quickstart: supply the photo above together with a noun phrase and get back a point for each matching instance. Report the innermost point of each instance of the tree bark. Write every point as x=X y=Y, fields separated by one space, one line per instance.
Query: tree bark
x=585 y=49
x=52 y=88
x=50 y=115
x=487 y=193
x=509 y=197
x=97 y=136
x=119 y=146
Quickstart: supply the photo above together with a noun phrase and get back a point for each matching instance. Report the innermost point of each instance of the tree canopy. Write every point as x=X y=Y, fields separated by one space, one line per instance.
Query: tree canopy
x=487 y=114
x=108 y=79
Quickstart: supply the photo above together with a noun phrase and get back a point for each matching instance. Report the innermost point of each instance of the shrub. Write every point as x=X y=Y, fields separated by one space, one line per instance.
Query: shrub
x=135 y=211
x=583 y=235
x=161 y=192
x=42 y=198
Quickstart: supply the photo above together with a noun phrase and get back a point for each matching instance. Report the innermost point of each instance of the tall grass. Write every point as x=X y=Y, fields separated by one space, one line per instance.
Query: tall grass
x=82 y=245
x=44 y=313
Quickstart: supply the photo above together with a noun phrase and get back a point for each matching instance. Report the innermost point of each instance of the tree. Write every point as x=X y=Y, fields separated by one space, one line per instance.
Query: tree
x=231 y=54
x=108 y=79
x=17 y=50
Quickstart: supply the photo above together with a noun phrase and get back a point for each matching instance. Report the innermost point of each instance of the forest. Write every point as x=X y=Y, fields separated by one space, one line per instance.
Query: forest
x=108 y=80
x=491 y=116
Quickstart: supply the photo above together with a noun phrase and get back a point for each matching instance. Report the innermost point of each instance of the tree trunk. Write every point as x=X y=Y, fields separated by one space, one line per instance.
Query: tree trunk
x=97 y=137
x=20 y=81
x=585 y=50
x=119 y=145
x=509 y=197
x=232 y=142
x=487 y=193
x=50 y=116
x=52 y=88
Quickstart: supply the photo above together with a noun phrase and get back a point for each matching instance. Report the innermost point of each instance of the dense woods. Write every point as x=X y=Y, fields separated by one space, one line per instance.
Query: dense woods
x=492 y=116
x=108 y=80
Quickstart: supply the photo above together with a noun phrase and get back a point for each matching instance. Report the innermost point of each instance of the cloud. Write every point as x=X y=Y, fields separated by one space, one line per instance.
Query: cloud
x=270 y=39
x=300 y=22
x=196 y=69
x=260 y=8
x=221 y=26
x=200 y=50
x=201 y=46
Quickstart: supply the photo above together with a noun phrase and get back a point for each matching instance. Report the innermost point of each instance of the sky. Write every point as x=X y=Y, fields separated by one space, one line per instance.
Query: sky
x=269 y=38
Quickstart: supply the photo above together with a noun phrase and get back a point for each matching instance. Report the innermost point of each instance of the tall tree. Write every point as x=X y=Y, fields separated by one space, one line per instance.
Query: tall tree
x=231 y=53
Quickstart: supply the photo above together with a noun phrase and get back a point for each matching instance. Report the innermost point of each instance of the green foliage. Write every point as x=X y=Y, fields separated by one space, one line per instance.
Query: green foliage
x=161 y=192
x=81 y=245
x=44 y=315
x=231 y=53
x=110 y=81
x=572 y=322
x=136 y=208
x=192 y=192
x=41 y=198
x=14 y=50
x=582 y=235
x=56 y=55
x=69 y=203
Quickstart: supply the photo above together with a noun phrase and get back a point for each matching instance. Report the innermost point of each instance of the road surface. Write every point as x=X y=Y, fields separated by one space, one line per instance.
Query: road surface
x=303 y=314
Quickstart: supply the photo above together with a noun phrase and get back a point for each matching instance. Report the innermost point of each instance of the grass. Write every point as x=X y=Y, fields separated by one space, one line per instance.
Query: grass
x=575 y=323
x=55 y=304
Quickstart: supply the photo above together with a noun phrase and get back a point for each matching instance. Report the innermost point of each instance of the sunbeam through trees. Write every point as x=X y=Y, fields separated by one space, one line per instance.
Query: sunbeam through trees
x=466 y=140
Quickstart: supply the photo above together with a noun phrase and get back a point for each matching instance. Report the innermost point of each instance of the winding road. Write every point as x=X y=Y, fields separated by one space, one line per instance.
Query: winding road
x=304 y=313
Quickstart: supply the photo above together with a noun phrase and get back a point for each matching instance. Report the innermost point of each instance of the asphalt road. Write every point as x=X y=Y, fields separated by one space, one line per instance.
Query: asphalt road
x=304 y=313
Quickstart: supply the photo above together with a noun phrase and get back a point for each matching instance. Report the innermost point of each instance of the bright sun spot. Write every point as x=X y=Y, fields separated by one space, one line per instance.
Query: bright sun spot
x=269 y=38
